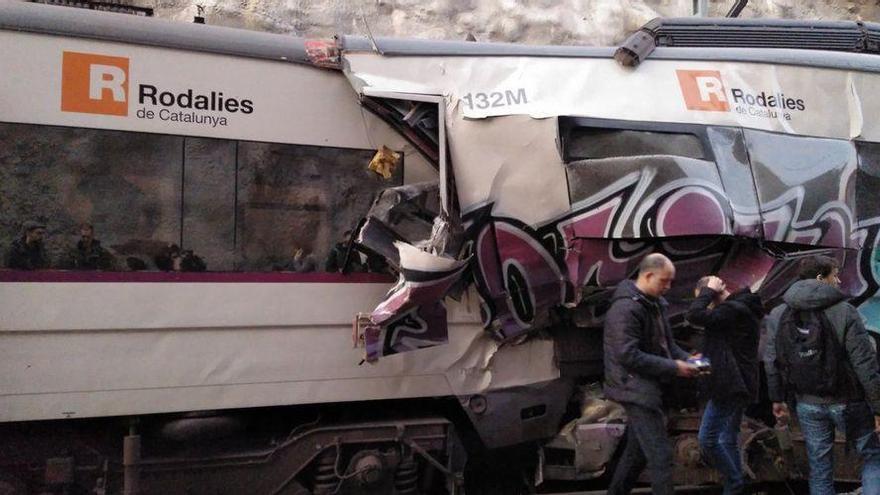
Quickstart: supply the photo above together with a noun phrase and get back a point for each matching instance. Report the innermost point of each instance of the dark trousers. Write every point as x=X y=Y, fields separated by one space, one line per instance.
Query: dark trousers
x=647 y=444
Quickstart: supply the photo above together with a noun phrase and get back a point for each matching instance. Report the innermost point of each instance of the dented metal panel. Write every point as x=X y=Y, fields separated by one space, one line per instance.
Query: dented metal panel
x=568 y=171
x=806 y=187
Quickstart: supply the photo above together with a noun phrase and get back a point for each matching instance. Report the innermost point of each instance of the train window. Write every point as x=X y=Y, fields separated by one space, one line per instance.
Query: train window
x=127 y=186
x=597 y=156
x=582 y=143
x=208 y=223
x=296 y=203
x=173 y=203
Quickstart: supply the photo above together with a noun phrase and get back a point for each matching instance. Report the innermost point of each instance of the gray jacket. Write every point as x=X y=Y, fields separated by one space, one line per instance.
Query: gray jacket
x=849 y=329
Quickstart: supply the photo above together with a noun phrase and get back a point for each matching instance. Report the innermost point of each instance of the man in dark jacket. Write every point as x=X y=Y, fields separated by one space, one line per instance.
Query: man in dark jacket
x=26 y=252
x=852 y=409
x=731 y=324
x=89 y=254
x=641 y=357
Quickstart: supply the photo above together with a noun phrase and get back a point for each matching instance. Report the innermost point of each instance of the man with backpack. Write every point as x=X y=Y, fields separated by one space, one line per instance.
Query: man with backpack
x=819 y=351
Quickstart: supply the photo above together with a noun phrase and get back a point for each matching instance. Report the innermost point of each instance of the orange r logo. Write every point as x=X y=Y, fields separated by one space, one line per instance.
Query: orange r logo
x=94 y=84
x=703 y=90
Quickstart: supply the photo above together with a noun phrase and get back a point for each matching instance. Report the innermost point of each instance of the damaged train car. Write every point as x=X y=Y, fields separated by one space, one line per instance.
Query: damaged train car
x=380 y=266
x=565 y=167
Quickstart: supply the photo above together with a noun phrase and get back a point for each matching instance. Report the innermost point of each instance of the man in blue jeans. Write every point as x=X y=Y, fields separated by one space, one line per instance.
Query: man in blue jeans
x=851 y=409
x=731 y=324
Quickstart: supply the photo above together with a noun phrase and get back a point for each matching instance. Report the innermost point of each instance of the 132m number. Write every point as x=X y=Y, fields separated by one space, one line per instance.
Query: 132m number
x=495 y=99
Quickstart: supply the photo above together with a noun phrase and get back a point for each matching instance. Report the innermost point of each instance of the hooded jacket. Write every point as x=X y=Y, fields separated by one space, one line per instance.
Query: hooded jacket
x=640 y=352
x=850 y=332
x=732 y=331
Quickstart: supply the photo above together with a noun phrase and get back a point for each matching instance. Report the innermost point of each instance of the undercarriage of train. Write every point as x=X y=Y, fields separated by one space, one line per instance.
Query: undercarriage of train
x=559 y=437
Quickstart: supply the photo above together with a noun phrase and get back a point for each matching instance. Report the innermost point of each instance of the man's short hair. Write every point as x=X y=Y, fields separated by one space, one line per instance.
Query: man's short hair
x=652 y=262
x=702 y=283
x=816 y=266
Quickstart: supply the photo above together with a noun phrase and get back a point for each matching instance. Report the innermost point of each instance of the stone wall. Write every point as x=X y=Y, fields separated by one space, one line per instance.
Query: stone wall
x=568 y=22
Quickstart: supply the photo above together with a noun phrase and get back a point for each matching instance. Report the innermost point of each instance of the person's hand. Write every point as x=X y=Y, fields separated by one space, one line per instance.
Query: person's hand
x=716 y=284
x=685 y=369
x=696 y=355
x=780 y=411
x=877 y=424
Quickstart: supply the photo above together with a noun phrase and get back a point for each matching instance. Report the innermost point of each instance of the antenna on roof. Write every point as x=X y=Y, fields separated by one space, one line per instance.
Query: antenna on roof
x=200 y=14
x=737 y=8
x=370 y=35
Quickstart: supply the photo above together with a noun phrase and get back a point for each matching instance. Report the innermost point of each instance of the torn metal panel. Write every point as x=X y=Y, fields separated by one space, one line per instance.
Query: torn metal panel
x=379 y=238
x=408 y=209
x=406 y=228
x=412 y=315
x=511 y=162
x=424 y=325
x=400 y=214
x=483 y=363
x=424 y=277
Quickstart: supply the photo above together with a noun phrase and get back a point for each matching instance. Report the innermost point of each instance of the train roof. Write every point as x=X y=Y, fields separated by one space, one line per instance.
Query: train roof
x=824 y=44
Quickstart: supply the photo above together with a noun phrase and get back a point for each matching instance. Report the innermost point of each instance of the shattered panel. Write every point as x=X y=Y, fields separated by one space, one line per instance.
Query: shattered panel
x=422 y=326
x=412 y=315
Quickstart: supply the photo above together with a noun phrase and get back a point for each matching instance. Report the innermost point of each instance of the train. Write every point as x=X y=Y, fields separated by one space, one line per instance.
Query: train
x=372 y=265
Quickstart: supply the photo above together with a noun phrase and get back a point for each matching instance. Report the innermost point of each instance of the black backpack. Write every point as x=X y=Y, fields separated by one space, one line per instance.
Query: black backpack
x=809 y=355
